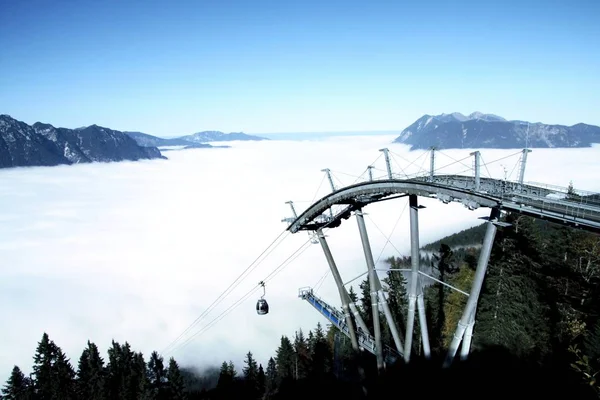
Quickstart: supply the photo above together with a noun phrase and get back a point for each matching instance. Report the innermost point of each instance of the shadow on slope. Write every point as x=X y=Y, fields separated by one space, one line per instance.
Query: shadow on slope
x=493 y=372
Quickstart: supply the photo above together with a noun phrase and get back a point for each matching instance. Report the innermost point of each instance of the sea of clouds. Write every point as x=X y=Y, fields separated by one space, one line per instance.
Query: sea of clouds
x=136 y=251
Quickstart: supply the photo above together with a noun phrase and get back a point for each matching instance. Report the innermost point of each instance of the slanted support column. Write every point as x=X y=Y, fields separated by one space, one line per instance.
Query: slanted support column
x=523 y=164
x=386 y=154
x=294 y=213
x=415 y=259
x=341 y=289
x=423 y=322
x=389 y=317
x=370 y=169
x=432 y=164
x=358 y=318
x=328 y=173
x=466 y=342
x=471 y=305
x=477 y=169
x=372 y=286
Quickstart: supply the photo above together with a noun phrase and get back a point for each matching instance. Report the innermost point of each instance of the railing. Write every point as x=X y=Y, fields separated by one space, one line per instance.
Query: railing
x=337 y=318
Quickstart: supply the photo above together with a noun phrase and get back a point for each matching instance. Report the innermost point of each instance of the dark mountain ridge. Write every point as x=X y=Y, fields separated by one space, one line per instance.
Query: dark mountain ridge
x=478 y=130
x=42 y=144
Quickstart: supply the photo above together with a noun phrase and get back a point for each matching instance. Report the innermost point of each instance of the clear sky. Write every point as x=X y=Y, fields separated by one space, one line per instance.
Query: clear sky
x=177 y=67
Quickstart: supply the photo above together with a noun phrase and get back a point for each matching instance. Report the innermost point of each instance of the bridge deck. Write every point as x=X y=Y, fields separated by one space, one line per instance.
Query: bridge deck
x=553 y=204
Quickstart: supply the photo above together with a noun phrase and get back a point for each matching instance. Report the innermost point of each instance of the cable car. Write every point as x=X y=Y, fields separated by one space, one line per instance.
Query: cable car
x=262 y=307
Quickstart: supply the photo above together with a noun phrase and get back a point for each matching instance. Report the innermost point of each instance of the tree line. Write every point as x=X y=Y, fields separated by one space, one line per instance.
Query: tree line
x=125 y=376
x=539 y=304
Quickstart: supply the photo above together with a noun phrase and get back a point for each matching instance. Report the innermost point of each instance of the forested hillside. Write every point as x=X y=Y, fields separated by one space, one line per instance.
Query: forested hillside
x=537 y=333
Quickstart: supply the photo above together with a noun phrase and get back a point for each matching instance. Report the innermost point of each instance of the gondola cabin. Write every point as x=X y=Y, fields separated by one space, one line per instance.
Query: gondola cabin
x=262 y=307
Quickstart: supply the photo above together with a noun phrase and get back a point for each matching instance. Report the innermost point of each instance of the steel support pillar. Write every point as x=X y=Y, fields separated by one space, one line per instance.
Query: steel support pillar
x=523 y=163
x=372 y=286
x=432 y=164
x=466 y=342
x=471 y=305
x=389 y=317
x=415 y=259
x=328 y=173
x=386 y=154
x=340 y=285
x=370 y=169
x=357 y=317
x=477 y=169
x=423 y=322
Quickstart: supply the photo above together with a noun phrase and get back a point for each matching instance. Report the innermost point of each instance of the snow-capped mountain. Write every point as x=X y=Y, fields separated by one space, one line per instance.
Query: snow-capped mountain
x=44 y=145
x=216 y=136
x=196 y=140
x=478 y=130
x=146 y=140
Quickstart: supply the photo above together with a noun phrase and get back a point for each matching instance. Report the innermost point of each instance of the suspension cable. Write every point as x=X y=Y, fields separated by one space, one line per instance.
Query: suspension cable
x=273 y=273
x=455 y=162
x=502 y=158
x=319 y=283
x=319 y=188
x=410 y=162
x=281 y=266
x=454 y=159
x=486 y=168
x=274 y=244
x=391 y=233
x=384 y=235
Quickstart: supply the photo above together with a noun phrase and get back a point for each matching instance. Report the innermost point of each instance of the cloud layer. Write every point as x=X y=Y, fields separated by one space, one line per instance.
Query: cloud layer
x=135 y=251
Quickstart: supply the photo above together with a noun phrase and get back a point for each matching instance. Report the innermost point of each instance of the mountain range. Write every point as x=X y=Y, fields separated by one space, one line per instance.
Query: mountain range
x=42 y=144
x=478 y=130
x=196 y=140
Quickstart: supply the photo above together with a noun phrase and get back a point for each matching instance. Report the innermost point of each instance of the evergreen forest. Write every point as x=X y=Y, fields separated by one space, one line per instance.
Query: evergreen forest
x=537 y=333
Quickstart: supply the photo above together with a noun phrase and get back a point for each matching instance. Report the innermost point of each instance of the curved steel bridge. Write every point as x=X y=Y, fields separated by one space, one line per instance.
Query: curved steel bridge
x=577 y=209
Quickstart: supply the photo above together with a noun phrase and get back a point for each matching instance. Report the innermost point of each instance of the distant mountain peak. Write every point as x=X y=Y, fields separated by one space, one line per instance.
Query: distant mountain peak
x=479 y=130
x=456 y=115
x=218 y=136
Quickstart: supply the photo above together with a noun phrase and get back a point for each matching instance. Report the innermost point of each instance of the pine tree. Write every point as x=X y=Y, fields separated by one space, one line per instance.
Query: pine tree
x=353 y=295
x=366 y=308
x=302 y=356
x=45 y=385
x=321 y=355
x=271 y=378
x=225 y=377
x=175 y=384
x=285 y=360
x=396 y=292
x=310 y=340
x=137 y=381
x=251 y=369
x=454 y=304
x=261 y=380
x=511 y=312
x=126 y=368
x=54 y=375
x=250 y=372
x=65 y=376
x=231 y=369
x=115 y=381
x=90 y=374
x=157 y=376
x=18 y=386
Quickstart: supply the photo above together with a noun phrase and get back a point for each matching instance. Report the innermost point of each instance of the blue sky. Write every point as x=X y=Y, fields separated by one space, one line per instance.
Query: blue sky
x=178 y=67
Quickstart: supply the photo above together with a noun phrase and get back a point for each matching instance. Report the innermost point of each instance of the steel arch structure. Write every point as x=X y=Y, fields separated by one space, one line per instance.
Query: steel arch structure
x=526 y=199
x=579 y=210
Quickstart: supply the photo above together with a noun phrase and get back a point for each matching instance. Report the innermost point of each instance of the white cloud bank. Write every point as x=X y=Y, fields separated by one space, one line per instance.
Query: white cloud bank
x=135 y=251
